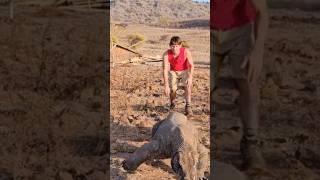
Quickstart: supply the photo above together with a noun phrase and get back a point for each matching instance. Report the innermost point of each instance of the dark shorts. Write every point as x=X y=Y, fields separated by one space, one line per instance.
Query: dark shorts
x=233 y=45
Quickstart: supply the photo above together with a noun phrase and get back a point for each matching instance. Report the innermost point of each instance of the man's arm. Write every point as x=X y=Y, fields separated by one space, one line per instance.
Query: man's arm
x=190 y=60
x=165 y=66
x=254 y=60
x=261 y=24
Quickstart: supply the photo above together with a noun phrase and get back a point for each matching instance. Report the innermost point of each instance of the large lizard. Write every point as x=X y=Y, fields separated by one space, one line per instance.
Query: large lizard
x=175 y=137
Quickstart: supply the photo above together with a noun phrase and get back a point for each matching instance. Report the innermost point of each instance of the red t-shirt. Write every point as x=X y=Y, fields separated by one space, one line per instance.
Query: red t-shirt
x=227 y=14
x=179 y=63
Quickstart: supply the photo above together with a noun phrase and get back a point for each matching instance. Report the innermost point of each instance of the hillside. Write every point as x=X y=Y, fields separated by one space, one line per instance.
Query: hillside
x=151 y=11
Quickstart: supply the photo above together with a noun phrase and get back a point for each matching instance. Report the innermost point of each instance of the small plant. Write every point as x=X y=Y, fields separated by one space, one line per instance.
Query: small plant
x=135 y=40
x=164 y=21
x=115 y=31
x=114 y=39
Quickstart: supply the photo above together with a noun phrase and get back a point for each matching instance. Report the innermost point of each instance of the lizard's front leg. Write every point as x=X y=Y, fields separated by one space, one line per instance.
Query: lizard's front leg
x=203 y=162
x=140 y=155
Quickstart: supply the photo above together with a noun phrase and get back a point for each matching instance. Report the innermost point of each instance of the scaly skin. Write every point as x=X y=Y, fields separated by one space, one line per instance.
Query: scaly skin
x=177 y=138
x=174 y=138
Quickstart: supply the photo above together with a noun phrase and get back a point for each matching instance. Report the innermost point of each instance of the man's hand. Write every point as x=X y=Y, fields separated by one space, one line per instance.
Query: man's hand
x=189 y=81
x=254 y=63
x=167 y=89
x=254 y=60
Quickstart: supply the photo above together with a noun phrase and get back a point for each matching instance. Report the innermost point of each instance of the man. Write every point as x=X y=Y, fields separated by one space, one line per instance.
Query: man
x=238 y=30
x=178 y=68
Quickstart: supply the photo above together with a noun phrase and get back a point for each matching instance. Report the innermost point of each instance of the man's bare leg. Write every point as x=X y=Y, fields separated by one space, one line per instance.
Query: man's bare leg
x=140 y=155
x=249 y=112
x=188 y=94
x=173 y=95
x=248 y=106
x=188 y=99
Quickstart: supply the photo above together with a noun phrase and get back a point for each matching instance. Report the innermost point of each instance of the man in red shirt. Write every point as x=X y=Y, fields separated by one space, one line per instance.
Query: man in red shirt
x=178 y=67
x=238 y=30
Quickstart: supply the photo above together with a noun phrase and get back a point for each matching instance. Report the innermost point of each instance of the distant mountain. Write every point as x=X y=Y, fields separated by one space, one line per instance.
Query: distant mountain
x=151 y=11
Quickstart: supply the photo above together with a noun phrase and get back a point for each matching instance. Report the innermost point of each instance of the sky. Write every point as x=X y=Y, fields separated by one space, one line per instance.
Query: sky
x=202 y=0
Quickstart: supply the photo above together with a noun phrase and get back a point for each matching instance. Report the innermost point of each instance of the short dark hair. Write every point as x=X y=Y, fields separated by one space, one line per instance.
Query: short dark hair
x=175 y=40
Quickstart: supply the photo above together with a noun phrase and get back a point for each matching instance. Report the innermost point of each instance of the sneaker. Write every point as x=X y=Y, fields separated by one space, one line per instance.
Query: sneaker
x=188 y=109
x=251 y=154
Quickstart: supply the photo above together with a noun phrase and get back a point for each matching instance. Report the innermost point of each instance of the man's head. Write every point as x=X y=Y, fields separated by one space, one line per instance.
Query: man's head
x=175 y=44
x=184 y=163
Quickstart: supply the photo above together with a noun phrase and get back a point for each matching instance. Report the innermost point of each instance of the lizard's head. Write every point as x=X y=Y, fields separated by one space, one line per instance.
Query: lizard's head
x=184 y=163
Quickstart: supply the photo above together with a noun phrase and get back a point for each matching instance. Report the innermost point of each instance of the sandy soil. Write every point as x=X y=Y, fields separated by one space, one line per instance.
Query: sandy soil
x=137 y=102
x=52 y=95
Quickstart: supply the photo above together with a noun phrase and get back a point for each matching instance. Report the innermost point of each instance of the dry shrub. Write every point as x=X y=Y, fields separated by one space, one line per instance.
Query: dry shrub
x=164 y=21
x=114 y=39
x=135 y=40
x=115 y=31
x=185 y=44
